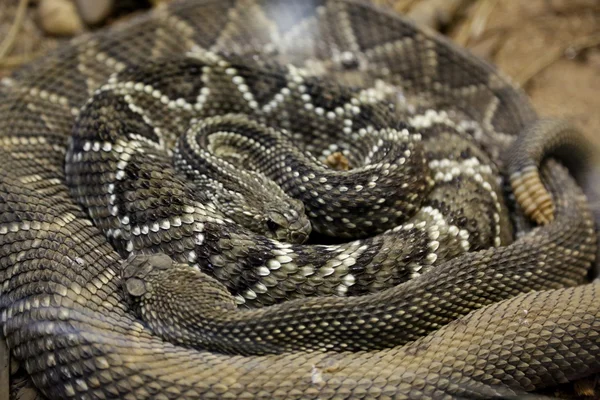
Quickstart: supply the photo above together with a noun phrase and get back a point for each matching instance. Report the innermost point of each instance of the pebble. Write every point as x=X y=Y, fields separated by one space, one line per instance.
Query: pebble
x=59 y=17
x=95 y=12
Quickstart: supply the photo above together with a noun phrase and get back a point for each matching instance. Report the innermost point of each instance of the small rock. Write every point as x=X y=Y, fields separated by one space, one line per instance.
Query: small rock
x=59 y=17
x=94 y=12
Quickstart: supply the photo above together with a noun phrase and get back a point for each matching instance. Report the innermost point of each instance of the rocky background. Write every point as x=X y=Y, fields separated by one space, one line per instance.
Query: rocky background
x=549 y=47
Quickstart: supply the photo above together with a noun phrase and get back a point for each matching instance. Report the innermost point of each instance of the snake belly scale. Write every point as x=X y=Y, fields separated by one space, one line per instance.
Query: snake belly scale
x=126 y=272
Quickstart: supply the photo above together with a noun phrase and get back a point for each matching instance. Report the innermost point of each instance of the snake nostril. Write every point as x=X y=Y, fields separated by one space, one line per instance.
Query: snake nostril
x=272 y=225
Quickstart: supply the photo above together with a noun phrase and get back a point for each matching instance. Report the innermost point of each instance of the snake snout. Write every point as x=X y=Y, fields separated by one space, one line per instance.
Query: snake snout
x=138 y=267
x=301 y=234
x=289 y=225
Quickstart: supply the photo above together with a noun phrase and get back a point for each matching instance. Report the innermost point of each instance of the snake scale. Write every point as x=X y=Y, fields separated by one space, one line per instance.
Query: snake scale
x=128 y=272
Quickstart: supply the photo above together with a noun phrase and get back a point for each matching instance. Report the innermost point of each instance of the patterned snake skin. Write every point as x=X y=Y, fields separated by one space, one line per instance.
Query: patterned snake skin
x=141 y=256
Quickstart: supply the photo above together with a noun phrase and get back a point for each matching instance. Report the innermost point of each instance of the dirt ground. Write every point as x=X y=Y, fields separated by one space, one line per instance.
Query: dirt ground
x=549 y=47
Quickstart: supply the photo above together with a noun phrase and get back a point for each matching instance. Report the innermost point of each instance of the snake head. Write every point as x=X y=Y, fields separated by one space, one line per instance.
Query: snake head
x=287 y=222
x=138 y=267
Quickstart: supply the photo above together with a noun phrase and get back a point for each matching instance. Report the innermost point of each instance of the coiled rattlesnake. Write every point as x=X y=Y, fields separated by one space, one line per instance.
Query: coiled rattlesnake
x=408 y=112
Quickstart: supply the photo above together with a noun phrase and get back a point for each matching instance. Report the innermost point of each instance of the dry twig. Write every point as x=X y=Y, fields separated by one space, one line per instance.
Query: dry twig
x=475 y=26
x=552 y=56
x=9 y=40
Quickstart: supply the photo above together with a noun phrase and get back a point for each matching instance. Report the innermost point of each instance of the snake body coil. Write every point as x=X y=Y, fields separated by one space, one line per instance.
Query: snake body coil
x=202 y=143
